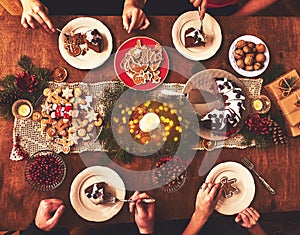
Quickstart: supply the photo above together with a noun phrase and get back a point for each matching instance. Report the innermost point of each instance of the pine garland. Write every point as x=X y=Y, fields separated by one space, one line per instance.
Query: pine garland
x=10 y=92
x=106 y=137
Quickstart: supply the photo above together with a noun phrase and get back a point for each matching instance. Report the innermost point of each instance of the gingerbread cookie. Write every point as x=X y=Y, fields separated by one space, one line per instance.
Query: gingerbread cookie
x=228 y=186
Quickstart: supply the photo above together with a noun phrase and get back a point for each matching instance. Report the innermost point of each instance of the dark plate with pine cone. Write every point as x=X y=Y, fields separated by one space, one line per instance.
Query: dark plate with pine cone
x=45 y=170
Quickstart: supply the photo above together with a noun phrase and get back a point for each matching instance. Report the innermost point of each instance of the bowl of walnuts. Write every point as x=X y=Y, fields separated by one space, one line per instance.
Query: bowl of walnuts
x=249 y=56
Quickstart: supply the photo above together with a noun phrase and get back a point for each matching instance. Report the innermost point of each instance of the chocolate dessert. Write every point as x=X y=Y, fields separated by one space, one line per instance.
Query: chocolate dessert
x=194 y=38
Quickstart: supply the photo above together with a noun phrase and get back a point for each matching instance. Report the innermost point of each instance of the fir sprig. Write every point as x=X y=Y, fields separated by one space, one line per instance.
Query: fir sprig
x=10 y=93
x=106 y=137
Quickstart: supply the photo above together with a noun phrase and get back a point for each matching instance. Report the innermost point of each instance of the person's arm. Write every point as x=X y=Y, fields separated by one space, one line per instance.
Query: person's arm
x=248 y=218
x=47 y=218
x=253 y=6
x=206 y=201
x=133 y=15
x=143 y=213
x=36 y=14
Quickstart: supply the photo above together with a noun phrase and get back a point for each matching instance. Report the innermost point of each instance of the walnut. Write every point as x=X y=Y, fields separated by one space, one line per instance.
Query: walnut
x=249 y=59
x=260 y=48
x=249 y=67
x=251 y=45
x=257 y=66
x=240 y=63
x=260 y=58
x=238 y=54
x=246 y=49
x=241 y=44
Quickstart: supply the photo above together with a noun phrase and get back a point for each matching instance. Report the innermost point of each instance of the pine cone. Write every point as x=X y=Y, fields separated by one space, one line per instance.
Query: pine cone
x=276 y=133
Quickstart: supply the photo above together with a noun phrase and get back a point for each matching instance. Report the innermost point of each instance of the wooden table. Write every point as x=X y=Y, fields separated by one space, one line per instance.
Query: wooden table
x=279 y=165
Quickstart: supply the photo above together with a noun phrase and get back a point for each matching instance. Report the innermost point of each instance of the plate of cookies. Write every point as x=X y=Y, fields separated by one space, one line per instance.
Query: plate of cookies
x=141 y=63
x=249 y=56
x=69 y=119
x=238 y=187
x=188 y=38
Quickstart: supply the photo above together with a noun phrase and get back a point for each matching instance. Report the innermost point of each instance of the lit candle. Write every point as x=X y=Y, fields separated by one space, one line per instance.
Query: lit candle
x=149 y=122
x=24 y=110
x=258 y=104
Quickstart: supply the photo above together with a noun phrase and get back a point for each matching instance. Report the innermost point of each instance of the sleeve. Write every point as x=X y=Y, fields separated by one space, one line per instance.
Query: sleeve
x=33 y=229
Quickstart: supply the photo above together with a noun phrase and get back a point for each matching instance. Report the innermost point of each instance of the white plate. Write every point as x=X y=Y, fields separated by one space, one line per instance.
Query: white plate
x=244 y=72
x=245 y=183
x=210 y=27
x=83 y=206
x=91 y=59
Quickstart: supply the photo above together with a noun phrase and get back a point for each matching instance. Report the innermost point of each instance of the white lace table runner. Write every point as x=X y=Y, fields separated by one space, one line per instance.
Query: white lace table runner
x=32 y=139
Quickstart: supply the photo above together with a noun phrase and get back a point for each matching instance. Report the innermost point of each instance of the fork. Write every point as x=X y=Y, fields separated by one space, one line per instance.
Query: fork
x=201 y=22
x=251 y=167
x=66 y=35
x=112 y=200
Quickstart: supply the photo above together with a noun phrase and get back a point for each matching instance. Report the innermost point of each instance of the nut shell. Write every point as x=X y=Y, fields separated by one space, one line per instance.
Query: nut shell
x=249 y=68
x=257 y=66
x=260 y=58
x=249 y=59
x=246 y=49
x=240 y=63
x=238 y=54
x=241 y=44
x=260 y=48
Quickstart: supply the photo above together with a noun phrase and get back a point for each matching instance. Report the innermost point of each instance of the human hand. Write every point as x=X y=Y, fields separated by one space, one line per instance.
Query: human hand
x=202 y=4
x=36 y=14
x=143 y=213
x=134 y=17
x=49 y=213
x=206 y=201
x=248 y=218
x=207 y=198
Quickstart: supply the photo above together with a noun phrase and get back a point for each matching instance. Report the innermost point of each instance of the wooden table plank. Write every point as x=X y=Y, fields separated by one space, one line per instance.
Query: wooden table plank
x=279 y=165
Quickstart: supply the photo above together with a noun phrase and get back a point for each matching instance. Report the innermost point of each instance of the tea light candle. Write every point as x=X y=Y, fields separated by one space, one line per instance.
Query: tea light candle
x=261 y=104
x=258 y=104
x=24 y=110
x=149 y=122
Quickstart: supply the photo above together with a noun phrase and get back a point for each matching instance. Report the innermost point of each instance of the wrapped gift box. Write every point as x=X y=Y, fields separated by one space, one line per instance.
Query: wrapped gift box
x=274 y=88
x=293 y=118
x=285 y=98
x=290 y=103
x=294 y=130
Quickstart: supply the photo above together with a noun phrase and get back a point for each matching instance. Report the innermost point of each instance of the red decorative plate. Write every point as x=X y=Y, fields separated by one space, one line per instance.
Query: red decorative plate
x=141 y=63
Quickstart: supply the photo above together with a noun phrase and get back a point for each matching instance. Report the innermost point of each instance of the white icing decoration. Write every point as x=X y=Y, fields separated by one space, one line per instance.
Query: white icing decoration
x=67 y=93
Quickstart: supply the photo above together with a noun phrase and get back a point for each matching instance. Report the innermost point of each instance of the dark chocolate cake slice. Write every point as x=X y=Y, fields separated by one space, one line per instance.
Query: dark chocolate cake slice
x=194 y=38
x=97 y=193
